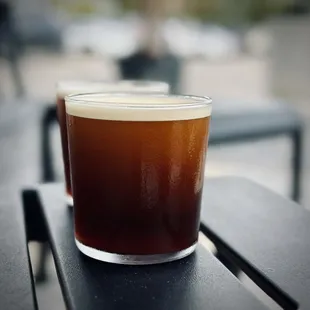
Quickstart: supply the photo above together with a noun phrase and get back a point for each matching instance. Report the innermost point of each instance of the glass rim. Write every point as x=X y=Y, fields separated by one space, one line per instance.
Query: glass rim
x=89 y=99
x=142 y=82
x=73 y=86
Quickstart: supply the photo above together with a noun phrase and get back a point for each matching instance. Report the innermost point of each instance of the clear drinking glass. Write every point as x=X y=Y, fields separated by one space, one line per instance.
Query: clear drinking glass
x=137 y=164
x=66 y=88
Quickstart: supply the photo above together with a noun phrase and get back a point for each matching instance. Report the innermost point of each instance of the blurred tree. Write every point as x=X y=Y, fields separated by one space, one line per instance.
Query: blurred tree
x=298 y=7
x=228 y=12
x=203 y=10
x=131 y=5
x=236 y=12
x=165 y=8
x=75 y=6
x=87 y=6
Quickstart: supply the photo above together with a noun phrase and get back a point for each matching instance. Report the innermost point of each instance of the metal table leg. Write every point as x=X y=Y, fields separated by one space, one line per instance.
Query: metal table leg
x=48 y=175
x=297 y=140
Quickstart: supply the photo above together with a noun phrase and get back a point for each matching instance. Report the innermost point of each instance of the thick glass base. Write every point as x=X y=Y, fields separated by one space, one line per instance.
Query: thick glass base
x=69 y=200
x=133 y=259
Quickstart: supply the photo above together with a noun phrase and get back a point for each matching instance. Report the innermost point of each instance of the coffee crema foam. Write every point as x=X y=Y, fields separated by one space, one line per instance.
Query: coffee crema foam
x=66 y=88
x=138 y=108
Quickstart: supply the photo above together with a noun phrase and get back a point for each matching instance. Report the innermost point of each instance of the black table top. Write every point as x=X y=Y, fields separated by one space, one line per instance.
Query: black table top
x=16 y=281
x=199 y=281
x=265 y=234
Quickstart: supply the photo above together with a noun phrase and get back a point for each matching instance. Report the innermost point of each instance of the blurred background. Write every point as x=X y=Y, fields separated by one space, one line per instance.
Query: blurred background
x=251 y=56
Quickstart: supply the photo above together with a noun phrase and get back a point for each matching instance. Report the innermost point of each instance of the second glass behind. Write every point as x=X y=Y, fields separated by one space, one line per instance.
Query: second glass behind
x=65 y=88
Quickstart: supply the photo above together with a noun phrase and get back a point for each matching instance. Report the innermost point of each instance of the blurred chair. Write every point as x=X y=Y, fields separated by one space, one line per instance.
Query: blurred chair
x=143 y=66
x=242 y=122
x=9 y=45
x=48 y=120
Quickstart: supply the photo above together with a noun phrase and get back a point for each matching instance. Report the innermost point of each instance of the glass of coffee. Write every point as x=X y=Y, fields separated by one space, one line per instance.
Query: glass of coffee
x=137 y=164
x=66 y=88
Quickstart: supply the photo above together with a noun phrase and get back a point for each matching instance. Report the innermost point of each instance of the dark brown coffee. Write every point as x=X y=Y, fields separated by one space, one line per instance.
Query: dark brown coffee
x=137 y=184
